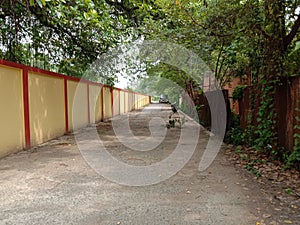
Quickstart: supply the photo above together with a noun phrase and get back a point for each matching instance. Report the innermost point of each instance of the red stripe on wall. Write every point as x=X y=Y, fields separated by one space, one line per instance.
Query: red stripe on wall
x=124 y=102
x=88 y=103
x=26 y=109
x=46 y=72
x=26 y=102
x=66 y=105
x=102 y=102
x=112 y=101
x=133 y=102
x=119 y=95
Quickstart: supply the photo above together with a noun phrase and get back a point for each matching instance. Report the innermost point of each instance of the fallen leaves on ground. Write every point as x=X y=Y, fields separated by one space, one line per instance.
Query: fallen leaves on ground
x=280 y=187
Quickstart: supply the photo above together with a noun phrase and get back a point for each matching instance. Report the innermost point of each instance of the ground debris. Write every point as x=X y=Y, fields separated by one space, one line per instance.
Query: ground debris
x=281 y=187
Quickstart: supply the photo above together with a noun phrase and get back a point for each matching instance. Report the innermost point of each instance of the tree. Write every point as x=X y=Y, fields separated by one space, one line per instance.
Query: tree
x=256 y=38
x=72 y=34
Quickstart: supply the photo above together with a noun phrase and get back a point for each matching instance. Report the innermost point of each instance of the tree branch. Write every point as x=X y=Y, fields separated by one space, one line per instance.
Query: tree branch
x=121 y=7
x=58 y=29
x=289 y=38
x=42 y=17
x=218 y=59
x=212 y=33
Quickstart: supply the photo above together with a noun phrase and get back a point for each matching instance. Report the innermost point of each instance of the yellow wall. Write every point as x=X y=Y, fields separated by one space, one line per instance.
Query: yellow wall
x=95 y=104
x=136 y=101
x=116 y=103
x=130 y=104
x=126 y=101
x=11 y=111
x=107 y=103
x=141 y=101
x=122 y=103
x=78 y=109
x=145 y=100
x=46 y=107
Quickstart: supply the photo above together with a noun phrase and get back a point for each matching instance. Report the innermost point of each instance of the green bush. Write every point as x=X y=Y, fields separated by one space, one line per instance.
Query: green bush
x=293 y=159
x=237 y=94
x=236 y=134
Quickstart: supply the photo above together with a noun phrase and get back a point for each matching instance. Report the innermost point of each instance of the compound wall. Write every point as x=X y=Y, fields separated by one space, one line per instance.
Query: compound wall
x=39 y=105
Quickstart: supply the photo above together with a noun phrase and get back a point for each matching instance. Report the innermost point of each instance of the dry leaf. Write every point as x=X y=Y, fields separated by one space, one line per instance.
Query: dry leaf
x=294 y=207
x=266 y=216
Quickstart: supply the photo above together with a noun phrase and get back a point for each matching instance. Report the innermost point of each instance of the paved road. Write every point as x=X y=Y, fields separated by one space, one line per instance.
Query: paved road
x=53 y=184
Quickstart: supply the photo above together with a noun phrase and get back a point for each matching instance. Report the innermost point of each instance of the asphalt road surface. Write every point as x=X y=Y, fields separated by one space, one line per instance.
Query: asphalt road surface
x=61 y=182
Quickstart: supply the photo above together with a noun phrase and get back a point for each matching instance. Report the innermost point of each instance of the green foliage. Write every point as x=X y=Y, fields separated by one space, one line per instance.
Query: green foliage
x=266 y=138
x=250 y=167
x=293 y=159
x=190 y=110
x=235 y=38
x=238 y=149
x=288 y=191
x=185 y=108
x=235 y=135
x=249 y=135
x=155 y=98
x=71 y=34
x=199 y=107
x=249 y=132
x=238 y=93
x=297 y=46
x=157 y=85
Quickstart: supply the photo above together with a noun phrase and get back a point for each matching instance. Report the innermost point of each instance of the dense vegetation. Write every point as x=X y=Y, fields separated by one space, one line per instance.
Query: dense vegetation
x=66 y=35
x=256 y=38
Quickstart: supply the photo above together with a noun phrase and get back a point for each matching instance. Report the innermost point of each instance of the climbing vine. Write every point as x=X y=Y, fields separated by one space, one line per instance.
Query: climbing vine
x=238 y=93
x=266 y=138
x=293 y=159
x=249 y=131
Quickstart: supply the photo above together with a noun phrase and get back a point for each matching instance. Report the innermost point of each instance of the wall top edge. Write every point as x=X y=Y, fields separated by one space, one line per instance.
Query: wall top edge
x=54 y=74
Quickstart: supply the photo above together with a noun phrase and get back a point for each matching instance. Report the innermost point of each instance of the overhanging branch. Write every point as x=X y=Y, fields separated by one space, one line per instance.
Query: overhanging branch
x=289 y=38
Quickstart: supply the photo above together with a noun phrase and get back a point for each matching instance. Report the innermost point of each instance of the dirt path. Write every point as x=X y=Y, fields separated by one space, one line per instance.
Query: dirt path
x=53 y=184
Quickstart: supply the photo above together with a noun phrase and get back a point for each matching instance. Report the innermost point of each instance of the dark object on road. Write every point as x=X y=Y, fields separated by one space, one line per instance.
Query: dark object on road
x=175 y=117
x=174 y=108
x=163 y=99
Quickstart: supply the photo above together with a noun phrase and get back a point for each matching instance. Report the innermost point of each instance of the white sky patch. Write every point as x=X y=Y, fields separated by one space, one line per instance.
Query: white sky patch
x=122 y=82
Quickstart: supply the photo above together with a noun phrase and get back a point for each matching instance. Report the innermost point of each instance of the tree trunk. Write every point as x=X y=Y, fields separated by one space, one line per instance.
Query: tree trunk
x=274 y=50
x=270 y=75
